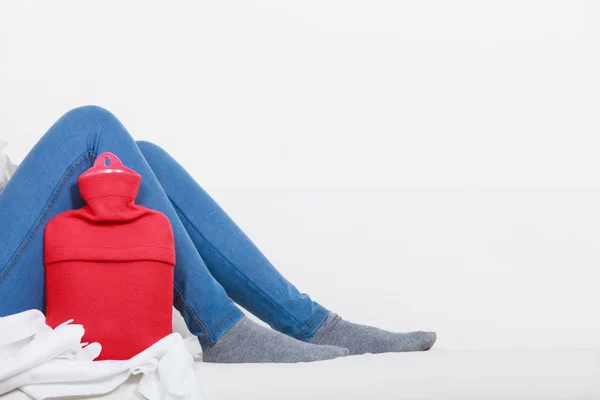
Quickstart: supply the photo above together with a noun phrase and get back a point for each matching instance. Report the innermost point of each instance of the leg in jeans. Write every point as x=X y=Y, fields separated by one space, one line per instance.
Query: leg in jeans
x=253 y=282
x=45 y=185
x=231 y=257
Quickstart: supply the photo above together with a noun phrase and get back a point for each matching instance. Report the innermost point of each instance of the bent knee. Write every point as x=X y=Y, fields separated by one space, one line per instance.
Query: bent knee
x=87 y=126
x=150 y=150
x=86 y=113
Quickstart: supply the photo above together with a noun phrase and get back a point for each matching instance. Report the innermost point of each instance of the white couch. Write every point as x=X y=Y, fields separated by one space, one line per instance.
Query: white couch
x=437 y=374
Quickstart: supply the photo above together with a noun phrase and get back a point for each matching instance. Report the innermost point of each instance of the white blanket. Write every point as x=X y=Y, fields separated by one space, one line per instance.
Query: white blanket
x=45 y=362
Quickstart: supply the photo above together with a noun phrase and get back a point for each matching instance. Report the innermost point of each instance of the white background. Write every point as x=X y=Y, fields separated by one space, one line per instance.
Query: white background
x=414 y=165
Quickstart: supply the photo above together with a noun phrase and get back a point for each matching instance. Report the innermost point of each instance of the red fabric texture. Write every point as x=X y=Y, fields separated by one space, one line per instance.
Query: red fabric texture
x=109 y=266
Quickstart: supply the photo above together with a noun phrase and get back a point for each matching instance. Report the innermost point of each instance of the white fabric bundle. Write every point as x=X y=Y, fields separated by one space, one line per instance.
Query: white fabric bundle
x=7 y=168
x=45 y=362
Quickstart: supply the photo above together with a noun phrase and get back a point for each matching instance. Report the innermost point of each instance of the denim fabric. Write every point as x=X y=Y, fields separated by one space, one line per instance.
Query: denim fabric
x=231 y=257
x=216 y=262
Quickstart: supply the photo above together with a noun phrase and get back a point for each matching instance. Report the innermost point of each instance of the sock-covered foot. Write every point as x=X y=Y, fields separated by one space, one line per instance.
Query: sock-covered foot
x=361 y=339
x=249 y=342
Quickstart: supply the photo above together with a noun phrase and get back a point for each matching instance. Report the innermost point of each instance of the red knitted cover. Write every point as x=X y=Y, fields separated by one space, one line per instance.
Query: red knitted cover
x=109 y=266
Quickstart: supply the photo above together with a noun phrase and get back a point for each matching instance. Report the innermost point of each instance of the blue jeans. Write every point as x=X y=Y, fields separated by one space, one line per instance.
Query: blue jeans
x=217 y=263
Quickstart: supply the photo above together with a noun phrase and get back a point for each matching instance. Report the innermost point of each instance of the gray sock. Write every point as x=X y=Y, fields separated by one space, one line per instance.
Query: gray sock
x=361 y=339
x=249 y=342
